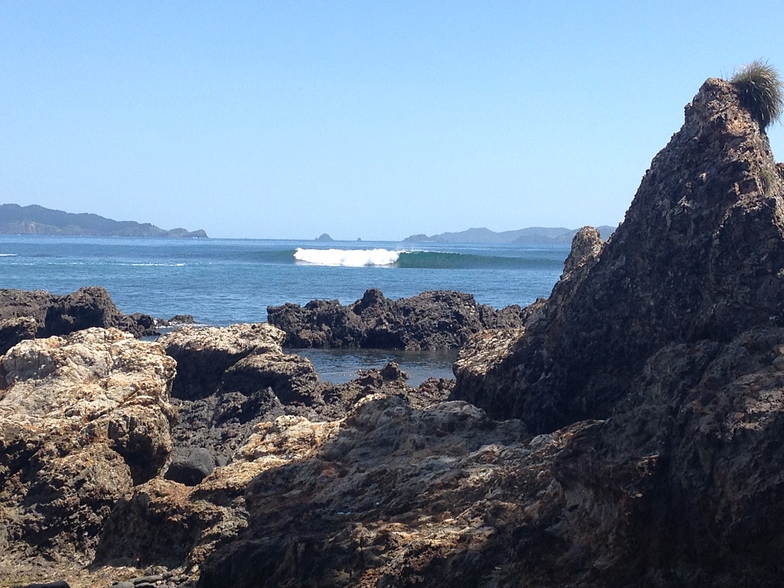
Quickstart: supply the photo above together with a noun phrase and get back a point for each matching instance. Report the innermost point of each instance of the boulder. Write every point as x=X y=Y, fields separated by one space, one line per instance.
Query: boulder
x=204 y=354
x=431 y=320
x=190 y=466
x=84 y=418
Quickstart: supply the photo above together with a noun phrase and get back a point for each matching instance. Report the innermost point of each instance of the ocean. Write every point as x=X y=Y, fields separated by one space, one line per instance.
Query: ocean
x=225 y=281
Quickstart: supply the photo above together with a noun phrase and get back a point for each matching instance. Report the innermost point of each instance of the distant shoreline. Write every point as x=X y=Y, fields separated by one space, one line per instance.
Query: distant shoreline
x=36 y=220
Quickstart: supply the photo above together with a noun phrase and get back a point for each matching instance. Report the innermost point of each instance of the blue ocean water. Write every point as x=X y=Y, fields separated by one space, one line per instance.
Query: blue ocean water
x=224 y=281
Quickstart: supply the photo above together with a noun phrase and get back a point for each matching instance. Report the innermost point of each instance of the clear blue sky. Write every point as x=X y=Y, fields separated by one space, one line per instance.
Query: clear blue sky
x=362 y=119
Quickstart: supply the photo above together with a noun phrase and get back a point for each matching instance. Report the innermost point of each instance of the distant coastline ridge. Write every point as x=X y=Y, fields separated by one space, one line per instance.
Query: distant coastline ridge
x=531 y=235
x=37 y=220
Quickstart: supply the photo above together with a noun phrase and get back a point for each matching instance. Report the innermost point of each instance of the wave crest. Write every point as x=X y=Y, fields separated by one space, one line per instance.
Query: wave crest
x=348 y=257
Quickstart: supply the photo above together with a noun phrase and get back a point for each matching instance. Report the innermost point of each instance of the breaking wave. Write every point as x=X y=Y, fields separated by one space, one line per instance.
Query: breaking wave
x=418 y=259
x=348 y=257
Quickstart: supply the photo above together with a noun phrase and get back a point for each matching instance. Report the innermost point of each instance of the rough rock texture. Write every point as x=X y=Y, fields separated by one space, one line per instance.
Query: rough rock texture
x=371 y=500
x=263 y=411
x=82 y=419
x=229 y=379
x=700 y=255
x=204 y=354
x=673 y=331
x=431 y=320
x=25 y=315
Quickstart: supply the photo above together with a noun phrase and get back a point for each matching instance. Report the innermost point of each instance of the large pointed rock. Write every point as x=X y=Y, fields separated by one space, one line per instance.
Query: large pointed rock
x=700 y=255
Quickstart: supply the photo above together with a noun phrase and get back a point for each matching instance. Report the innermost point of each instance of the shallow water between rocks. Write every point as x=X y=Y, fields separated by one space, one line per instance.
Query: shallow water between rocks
x=340 y=365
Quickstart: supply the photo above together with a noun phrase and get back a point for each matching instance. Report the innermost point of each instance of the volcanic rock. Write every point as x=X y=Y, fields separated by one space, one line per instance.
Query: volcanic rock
x=29 y=314
x=190 y=466
x=700 y=255
x=84 y=418
x=204 y=354
x=672 y=329
x=431 y=320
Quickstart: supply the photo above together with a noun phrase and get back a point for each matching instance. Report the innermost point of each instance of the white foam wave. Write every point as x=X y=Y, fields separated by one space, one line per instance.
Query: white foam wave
x=9 y=254
x=347 y=257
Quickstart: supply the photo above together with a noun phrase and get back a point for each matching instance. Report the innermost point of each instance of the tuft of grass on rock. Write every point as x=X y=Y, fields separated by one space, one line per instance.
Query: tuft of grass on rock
x=760 y=88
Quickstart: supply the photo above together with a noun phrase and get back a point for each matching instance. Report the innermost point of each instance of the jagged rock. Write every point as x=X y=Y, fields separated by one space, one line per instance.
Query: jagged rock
x=84 y=418
x=212 y=512
x=700 y=255
x=672 y=330
x=389 y=489
x=666 y=492
x=25 y=315
x=431 y=320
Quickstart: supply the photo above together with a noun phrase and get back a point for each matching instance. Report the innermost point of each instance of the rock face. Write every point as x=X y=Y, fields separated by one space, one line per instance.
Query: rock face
x=700 y=255
x=431 y=320
x=385 y=522
x=672 y=332
x=25 y=315
x=84 y=418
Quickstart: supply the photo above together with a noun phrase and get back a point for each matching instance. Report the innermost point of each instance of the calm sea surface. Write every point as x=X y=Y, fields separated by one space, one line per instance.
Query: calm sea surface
x=224 y=281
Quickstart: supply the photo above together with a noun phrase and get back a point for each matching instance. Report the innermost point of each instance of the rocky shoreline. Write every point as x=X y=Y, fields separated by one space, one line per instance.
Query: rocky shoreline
x=624 y=432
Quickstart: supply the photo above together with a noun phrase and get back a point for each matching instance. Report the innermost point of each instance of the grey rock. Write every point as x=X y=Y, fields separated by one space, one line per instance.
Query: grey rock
x=190 y=466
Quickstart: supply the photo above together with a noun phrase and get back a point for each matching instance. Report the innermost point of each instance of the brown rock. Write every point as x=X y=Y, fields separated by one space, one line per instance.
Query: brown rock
x=84 y=418
x=204 y=354
x=700 y=255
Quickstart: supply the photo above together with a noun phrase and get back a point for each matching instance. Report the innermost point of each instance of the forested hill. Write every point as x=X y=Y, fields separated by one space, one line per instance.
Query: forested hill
x=37 y=220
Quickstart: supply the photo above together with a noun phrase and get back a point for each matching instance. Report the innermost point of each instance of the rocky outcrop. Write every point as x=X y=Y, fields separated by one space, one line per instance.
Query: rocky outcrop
x=204 y=354
x=84 y=419
x=671 y=334
x=431 y=320
x=384 y=497
x=28 y=314
x=262 y=411
x=700 y=255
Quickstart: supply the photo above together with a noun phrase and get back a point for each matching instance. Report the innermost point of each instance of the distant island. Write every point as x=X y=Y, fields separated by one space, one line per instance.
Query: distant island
x=37 y=220
x=531 y=235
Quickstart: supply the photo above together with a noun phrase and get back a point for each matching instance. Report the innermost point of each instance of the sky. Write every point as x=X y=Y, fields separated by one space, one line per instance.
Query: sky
x=361 y=119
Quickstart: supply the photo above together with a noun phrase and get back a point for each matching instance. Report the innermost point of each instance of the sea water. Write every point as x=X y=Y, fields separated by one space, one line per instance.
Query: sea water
x=225 y=281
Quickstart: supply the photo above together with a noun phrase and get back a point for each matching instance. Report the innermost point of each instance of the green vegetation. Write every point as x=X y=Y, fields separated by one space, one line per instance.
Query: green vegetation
x=760 y=88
